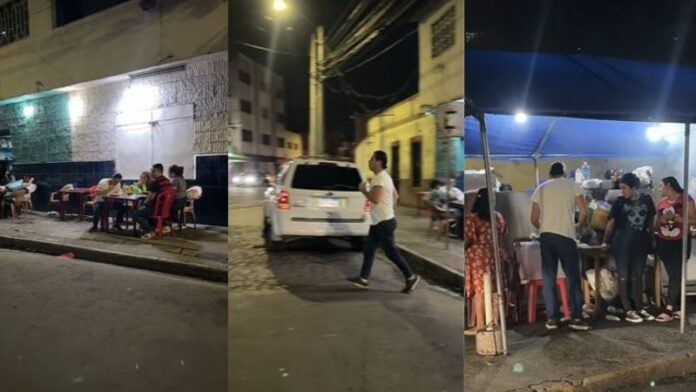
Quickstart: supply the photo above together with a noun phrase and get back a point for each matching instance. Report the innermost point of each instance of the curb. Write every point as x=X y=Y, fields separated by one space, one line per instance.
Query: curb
x=434 y=271
x=198 y=271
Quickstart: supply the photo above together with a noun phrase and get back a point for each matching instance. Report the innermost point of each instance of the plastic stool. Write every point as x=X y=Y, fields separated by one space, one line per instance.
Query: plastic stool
x=533 y=286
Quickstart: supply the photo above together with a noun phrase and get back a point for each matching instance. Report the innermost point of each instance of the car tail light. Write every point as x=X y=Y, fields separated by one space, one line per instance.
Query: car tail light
x=367 y=206
x=284 y=201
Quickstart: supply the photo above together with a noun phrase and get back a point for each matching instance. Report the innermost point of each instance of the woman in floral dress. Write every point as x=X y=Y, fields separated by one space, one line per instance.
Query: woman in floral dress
x=479 y=257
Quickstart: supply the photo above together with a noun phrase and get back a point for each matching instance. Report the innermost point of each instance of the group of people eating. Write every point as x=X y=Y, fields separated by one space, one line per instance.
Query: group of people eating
x=637 y=226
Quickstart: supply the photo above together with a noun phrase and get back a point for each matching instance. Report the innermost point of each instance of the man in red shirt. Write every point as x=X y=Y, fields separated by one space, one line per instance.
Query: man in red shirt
x=154 y=188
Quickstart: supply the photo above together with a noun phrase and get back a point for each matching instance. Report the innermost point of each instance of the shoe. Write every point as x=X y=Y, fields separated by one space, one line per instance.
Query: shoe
x=93 y=229
x=472 y=331
x=633 y=317
x=411 y=284
x=646 y=315
x=612 y=317
x=579 y=325
x=166 y=229
x=551 y=324
x=677 y=314
x=146 y=236
x=359 y=282
x=118 y=227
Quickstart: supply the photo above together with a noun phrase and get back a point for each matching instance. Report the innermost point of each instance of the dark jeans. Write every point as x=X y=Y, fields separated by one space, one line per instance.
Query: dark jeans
x=631 y=254
x=178 y=205
x=670 y=252
x=553 y=248
x=381 y=235
x=99 y=208
x=142 y=217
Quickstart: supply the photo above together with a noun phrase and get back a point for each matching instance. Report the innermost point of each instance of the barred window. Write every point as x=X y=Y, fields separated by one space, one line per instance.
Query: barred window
x=247 y=136
x=14 y=21
x=442 y=33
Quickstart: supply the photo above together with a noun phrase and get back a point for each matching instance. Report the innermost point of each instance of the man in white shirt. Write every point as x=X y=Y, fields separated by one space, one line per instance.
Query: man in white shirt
x=108 y=186
x=455 y=194
x=382 y=196
x=553 y=214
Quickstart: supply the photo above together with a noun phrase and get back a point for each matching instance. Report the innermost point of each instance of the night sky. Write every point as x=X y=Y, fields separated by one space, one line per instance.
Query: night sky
x=395 y=71
x=660 y=31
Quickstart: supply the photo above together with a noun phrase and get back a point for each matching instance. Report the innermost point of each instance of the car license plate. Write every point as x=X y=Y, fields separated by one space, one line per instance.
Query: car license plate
x=329 y=203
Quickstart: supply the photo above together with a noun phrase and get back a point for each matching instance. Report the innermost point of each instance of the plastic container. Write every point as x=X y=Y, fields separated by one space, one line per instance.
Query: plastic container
x=579 y=178
x=585 y=169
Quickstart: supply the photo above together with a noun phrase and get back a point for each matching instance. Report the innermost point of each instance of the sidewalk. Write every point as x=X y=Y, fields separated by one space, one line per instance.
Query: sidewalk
x=200 y=253
x=612 y=354
x=428 y=256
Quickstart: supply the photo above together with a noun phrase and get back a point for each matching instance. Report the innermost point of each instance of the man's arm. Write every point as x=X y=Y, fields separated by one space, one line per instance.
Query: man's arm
x=582 y=207
x=536 y=216
x=396 y=197
x=374 y=195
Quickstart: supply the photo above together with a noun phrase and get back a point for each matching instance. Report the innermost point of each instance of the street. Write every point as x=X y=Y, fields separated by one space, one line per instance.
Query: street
x=72 y=325
x=296 y=324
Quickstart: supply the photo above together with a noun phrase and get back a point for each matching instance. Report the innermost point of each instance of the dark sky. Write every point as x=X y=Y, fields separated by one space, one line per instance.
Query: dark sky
x=392 y=72
x=634 y=29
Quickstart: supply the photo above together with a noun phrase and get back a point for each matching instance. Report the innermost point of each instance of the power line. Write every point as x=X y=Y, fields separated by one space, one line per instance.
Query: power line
x=350 y=90
x=270 y=49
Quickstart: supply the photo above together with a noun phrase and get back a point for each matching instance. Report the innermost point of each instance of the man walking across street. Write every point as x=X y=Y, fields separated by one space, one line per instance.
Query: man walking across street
x=382 y=196
x=553 y=215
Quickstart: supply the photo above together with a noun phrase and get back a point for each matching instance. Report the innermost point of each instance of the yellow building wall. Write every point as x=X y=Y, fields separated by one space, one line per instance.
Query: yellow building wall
x=115 y=41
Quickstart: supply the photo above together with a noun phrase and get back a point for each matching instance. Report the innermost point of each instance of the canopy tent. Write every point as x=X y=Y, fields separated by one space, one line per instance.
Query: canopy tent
x=576 y=106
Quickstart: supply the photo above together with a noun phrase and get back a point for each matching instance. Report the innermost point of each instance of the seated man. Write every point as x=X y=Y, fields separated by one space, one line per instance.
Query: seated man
x=455 y=194
x=107 y=186
x=14 y=193
x=154 y=188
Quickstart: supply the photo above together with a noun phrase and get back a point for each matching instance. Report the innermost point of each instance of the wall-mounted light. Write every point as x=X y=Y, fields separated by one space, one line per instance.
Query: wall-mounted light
x=521 y=117
x=138 y=98
x=76 y=107
x=28 y=111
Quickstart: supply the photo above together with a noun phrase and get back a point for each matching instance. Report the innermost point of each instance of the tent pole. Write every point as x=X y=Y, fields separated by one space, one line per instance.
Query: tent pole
x=496 y=253
x=685 y=228
x=536 y=172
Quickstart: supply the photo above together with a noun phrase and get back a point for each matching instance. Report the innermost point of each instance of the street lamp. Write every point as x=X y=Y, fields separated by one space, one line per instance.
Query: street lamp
x=279 y=5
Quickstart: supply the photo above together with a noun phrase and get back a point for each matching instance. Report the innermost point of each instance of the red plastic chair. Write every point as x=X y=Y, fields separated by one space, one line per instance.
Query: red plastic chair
x=533 y=286
x=163 y=210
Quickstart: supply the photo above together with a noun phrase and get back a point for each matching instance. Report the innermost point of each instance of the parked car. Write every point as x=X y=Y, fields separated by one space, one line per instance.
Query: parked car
x=251 y=179
x=315 y=197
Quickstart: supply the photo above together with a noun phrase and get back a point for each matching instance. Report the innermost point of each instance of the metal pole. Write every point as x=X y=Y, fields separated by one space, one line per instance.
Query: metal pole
x=685 y=227
x=320 y=90
x=449 y=174
x=536 y=172
x=496 y=252
x=313 y=96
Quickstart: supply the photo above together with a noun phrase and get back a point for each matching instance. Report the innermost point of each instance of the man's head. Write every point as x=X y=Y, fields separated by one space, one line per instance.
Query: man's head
x=157 y=170
x=556 y=170
x=378 y=162
x=116 y=178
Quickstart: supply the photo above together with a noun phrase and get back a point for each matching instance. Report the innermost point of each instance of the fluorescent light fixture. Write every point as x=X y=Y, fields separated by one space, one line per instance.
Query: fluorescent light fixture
x=669 y=132
x=76 y=107
x=138 y=98
x=28 y=111
x=521 y=117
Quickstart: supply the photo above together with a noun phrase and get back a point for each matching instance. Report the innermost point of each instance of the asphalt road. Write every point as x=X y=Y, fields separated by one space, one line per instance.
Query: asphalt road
x=72 y=325
x=297 y=325
x=245 y=196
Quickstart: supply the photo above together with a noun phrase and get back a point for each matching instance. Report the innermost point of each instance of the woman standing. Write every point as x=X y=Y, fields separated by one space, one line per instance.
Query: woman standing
x=629 y=233
x=669 y=224
x=479 y=256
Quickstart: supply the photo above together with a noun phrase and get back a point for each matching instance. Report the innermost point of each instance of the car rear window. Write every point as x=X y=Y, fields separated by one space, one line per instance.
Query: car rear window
x=326 y=177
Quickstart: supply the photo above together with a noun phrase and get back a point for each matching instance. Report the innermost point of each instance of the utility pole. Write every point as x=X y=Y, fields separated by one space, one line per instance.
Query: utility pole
x=316 y=93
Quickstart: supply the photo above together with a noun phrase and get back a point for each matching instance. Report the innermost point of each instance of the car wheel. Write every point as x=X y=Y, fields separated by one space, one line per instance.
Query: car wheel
x=357 y=244
x=271 y=246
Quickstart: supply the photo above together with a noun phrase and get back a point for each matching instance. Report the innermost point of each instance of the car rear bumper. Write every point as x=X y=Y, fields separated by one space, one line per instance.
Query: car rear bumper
x=307 y=227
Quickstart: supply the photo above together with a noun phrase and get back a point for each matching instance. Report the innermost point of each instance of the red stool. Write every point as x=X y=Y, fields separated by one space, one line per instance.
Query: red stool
x=533 y=286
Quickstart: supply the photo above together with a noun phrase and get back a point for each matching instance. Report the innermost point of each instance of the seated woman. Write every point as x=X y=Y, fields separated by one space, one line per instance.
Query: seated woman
x=479 y=257
x=140 y=187
x=176 y=174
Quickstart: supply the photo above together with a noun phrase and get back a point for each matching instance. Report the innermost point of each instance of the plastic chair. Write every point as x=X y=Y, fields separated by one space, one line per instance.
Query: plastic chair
x=91 y=199
x=163 y=210
x=533 y=287
x=192 y=194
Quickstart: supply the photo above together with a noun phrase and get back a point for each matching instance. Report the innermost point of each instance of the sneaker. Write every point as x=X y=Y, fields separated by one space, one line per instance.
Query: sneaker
x=551 y=324
x=411 y=284
x=118 y=227
x=359 y=282
x=579 y=325
x=612 y=317
x=676 y=314
x=146 y=236
x=646 y=315
x=166 y=229
x=633 y=317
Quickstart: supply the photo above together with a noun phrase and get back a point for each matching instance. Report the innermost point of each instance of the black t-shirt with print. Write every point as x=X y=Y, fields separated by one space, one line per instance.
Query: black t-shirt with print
x=633 y=215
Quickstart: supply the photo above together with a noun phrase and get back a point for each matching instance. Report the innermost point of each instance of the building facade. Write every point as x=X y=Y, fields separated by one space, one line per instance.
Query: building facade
x=259 y=138
x=115 y=91
x=408 y=131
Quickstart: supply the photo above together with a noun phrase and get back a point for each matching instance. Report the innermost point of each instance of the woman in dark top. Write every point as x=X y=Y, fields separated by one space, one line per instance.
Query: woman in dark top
x=629 y=232
x=176 y=173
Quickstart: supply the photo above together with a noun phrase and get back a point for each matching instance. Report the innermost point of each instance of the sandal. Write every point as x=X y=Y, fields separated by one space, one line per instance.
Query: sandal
x=472 y=331
x=664 y=317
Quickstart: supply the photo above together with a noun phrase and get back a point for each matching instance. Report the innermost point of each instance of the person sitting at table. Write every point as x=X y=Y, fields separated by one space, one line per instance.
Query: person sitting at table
x=7 y=178
x=437 y=199
x=108 y=186
x=455 y=194
x=629 y=233
x=14 y=193
x=176 y=174
x=479 y=257
x=141 y=186
x=154 y=188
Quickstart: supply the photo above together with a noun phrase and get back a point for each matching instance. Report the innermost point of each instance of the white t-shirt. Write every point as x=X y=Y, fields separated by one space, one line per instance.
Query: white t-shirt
x=384 y=209
x=104 y=185
x=556 y=199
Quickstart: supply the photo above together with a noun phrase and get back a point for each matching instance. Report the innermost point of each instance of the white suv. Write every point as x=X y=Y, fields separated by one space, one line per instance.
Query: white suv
x=316 y=197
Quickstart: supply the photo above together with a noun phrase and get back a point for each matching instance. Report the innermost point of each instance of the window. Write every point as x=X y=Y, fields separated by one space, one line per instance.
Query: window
x=264 y=112
x=266 y=140
x=244 y=77
x=281 y=142
x=416 y=163
x=326 y=177
x=68 y=11
x=442 y=33
x=297 y=147
x=247 y=136
x=245 y=106
x=14 y=21
x=290 y=145
x=280 y=118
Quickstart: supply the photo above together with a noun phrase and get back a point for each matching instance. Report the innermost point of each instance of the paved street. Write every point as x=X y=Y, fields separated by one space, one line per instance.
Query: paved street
x=245 y=196
x=297 y=325
x=71 y=325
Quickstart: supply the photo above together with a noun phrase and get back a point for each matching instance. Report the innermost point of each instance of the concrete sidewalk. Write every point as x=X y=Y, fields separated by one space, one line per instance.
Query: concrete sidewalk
x=427 y=254
x=612 y=354
x=200 y=253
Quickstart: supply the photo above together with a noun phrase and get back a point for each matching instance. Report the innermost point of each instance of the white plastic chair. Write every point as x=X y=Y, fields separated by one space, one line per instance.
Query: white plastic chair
x=192 y=194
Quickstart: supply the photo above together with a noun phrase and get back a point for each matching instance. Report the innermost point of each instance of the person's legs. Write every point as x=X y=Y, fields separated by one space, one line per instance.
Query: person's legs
x=622 y=255
x=385 y=234
x=369 y=248
x=637 y=267
x=672 y=258
x=120 y=212
x=98 y=209
x=570 y=260
x=142 y=217
x=549 y=268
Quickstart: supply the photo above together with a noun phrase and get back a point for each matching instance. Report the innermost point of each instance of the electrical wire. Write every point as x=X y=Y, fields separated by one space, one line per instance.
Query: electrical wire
x=266 y=49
